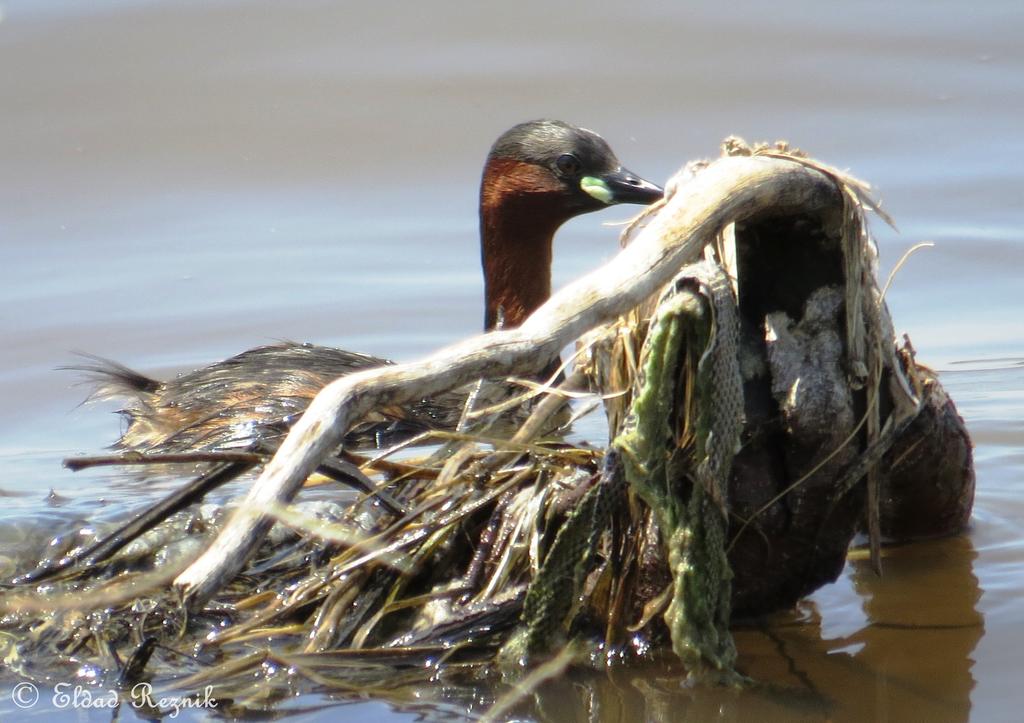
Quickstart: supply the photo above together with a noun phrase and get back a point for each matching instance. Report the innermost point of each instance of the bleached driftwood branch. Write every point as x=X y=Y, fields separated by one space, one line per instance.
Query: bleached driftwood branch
x=728 y=190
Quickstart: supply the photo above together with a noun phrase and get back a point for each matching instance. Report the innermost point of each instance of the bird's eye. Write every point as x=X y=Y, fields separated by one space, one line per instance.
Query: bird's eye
x=568 y=164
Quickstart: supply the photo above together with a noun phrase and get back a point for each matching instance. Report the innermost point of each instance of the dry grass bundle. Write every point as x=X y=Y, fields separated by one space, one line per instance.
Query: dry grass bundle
x=747 y=401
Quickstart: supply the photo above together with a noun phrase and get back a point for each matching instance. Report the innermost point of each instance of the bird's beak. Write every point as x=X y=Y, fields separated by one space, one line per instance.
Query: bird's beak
x=621 y=186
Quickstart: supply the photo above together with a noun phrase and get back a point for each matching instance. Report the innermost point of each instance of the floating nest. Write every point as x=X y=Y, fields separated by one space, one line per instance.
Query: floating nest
x=760 y=413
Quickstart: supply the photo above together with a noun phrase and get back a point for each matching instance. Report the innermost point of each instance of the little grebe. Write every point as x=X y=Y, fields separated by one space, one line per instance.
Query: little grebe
x=538 y=175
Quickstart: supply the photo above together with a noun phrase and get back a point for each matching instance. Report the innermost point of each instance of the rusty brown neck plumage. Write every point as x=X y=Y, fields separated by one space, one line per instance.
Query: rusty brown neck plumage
x=521 y=207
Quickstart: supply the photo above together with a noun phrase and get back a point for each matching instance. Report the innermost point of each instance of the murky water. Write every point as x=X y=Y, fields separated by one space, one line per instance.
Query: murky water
x=180 y=181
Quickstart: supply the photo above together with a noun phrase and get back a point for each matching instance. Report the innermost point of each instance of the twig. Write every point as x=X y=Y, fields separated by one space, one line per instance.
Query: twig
x=76 y=464
x=145 y=521
x=728 y=190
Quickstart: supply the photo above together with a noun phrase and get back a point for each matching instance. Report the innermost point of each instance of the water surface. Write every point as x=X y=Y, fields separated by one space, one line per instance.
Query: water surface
x=180 y=181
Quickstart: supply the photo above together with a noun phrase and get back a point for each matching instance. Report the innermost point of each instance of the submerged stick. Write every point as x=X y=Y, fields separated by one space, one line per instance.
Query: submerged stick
x=728 y=190
x=76 y=464
x=145 y=521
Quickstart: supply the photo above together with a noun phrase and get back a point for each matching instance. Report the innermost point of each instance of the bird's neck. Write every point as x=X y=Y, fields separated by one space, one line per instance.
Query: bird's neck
x=520 y=210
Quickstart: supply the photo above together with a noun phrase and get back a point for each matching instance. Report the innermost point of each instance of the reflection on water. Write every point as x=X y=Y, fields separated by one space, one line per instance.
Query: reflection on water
x=183 y=181
x=908 y=658
x=920 y=646
x=911 y=659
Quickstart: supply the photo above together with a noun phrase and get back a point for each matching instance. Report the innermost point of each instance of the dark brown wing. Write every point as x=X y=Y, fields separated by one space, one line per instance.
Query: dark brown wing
x=254 y=396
